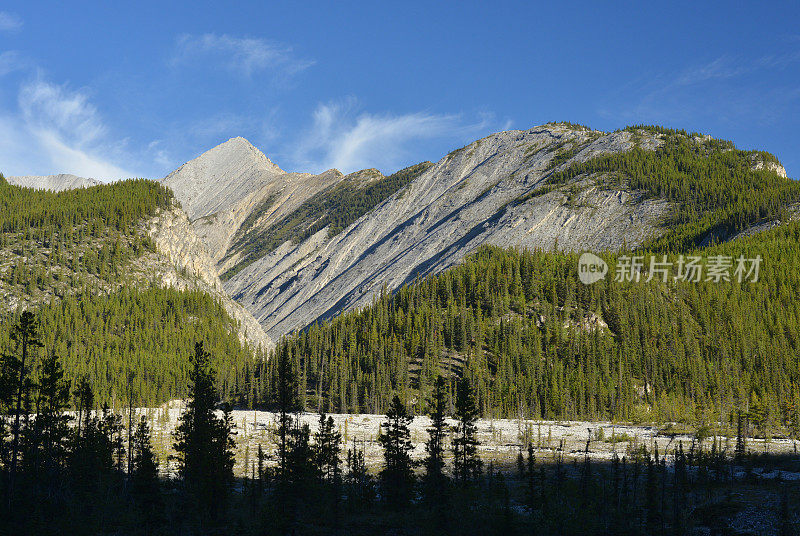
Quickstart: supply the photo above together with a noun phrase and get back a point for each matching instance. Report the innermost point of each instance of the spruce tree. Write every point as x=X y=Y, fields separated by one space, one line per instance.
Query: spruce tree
x=434 y=479
x=25 y=335
x=49 y=451
x=360 y=485
x=203 y=441
x=145 y=486
x=466 y=463
x=397 y=475
x=327 y=449
x=287 y=401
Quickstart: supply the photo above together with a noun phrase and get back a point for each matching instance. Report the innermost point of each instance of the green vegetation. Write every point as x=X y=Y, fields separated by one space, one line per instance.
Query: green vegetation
x=118 y=206
x=711 y=183
x=535 y=341
x=54 y=244
x=73 y=259
x=336 y=208
x=67 y=474
x=148 y=334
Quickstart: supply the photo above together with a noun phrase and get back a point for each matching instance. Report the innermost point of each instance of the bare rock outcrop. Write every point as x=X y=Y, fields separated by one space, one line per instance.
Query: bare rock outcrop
x=493 y=191
x=194 y=268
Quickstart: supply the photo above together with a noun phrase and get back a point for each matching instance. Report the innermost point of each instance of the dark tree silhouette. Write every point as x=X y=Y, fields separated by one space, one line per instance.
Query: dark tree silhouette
x=203 y=441
x=434 y=480
x=25 y=335
x=288 y=403
x=145 y=486
x=466 y=463
x=327 y=449
x=397 y=476
x=47 y=449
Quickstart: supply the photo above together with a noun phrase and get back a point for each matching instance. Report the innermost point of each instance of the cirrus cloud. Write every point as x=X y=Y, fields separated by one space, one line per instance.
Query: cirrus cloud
x=57 y=130
x=344 y=139
x=243 y=55
x=9 y=22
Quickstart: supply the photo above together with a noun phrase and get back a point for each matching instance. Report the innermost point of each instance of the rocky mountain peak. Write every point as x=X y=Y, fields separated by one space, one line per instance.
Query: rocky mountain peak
x=222 y=177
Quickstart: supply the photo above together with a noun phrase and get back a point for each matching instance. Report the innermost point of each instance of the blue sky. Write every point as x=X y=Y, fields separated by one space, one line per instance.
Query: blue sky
x=113 y=89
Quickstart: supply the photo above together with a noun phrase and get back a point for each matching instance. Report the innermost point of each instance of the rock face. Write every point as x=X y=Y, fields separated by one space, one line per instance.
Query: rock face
x=237 y=207
x=194 y=267
x=223 y=186
x=490 y=192
x=237 y=170
x=771 y=166
x=55 y=183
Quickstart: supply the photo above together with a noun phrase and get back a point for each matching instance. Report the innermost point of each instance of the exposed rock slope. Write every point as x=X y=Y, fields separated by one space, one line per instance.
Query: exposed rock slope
x=224 y=186
x=190 y=266
x=491 y=191
x=488 y=192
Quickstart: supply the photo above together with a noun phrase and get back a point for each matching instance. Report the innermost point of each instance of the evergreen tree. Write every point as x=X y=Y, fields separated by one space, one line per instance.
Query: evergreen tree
x=203 y=441
x=397 y=475
x=288 y=403
x=360 y=486
x=145 y=486
x=532 y=495
x=466 y=463
x=434 y=480
x=48 y=448
x=26 y=336
x=327 y=449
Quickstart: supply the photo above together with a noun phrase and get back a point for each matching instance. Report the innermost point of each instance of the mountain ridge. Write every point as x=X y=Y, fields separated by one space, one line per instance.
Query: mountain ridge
x=295 y=248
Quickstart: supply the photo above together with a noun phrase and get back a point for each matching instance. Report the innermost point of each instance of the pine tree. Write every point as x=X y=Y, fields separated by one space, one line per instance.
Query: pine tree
x=288 y=403
x=26 y=336
x=397 y=475
x=203 y=441
x=434 y=480
x=531 y=495
x=48 y=453
x=145 y=486
x=327 y=449
x=466 y=463
x=360 y=486
x=300 y=460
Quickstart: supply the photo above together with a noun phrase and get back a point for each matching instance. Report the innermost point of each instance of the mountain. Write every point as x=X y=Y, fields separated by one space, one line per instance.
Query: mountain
x=116 y=276
x=233 y=185
x=238 y=248
x=55 y=183
x=296 y=248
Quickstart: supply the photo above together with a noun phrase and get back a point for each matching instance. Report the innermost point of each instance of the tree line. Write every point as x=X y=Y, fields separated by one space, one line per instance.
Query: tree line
x=715 y=189
x=89 y=472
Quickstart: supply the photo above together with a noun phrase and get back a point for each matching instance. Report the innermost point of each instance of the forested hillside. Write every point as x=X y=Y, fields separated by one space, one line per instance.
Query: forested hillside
x=81 y=260
x=716 y=189
x=535 y=341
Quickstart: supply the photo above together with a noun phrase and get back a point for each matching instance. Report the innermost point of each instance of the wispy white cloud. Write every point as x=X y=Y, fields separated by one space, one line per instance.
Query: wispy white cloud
x=725 y=67
x=9 y=22
x=57 y=130
x=715 y=87
x=346 y=140
x=11 y=61
x=243 y=55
